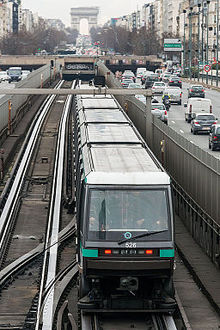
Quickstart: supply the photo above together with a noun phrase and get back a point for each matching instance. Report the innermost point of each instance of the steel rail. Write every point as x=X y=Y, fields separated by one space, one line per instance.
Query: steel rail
x=67 y=91
x=45 y=308
x=12 y=269
x=15 y=190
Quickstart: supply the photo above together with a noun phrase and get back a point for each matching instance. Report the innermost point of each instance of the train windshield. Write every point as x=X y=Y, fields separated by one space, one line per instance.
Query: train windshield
x=113 y=213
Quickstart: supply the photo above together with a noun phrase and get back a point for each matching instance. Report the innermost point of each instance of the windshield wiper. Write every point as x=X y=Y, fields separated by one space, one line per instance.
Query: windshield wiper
x=149 y=233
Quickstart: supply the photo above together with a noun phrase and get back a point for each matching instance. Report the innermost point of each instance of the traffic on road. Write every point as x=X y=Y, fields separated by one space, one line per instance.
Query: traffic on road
x=190 y=109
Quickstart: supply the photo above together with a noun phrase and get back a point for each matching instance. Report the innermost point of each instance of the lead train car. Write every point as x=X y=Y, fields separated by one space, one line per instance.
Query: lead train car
x=125 y=238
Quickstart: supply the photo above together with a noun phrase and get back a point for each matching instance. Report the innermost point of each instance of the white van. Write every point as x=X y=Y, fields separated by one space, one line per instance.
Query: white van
x=140 y=72
x=197 y=105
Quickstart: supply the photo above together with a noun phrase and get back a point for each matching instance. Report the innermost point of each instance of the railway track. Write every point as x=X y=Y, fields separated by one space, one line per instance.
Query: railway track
x=128 y=321
x=30 y=226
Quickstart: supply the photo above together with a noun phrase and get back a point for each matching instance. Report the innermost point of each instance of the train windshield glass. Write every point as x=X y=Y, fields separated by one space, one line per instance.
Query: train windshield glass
x=112 y=213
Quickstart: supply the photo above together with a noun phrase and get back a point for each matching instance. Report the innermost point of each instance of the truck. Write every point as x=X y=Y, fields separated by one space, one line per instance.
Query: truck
x=197 y=105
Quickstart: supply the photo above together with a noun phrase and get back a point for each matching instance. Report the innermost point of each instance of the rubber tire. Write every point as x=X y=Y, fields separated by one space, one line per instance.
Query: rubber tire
x=213 y=147
x=180 y=102
x=209 y=146
x=83 y=286
x=195 y=133
x=188 y=121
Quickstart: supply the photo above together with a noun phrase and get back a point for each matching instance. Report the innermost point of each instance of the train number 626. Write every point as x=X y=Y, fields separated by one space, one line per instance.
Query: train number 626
x=130 y=245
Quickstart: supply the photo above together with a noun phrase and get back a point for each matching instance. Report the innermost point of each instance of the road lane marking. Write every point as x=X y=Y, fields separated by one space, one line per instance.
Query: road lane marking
x=181 y=131
x=172 y=121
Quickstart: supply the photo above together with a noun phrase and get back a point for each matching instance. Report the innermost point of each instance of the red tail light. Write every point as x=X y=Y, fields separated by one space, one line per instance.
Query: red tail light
x=108 y=251
x=190 y=90
x=203 y=90
x=210 y=108
x=214 y=123
x=149 y=252
x=171 y=81
x=196 y=122
x=179 y=81
x=190 y=108
x=215 y=137
x=165 y=112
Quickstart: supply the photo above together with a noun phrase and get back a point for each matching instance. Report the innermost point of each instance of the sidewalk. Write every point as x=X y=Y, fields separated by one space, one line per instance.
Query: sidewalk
x=204 y=272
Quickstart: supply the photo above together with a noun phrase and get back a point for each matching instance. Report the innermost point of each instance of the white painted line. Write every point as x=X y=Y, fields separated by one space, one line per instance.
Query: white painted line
x=192 y=142
x=181 y=131
x=172 y=121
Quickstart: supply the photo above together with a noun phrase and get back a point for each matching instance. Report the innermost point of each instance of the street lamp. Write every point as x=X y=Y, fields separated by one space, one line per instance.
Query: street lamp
x=217 y=34
x=199 y=6
x=190 y=42
x=207 y=37
x=184 y=43
x=202 y=48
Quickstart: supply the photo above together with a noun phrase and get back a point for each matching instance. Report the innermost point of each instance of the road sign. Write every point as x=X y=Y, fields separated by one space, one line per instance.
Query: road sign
x=172 y=45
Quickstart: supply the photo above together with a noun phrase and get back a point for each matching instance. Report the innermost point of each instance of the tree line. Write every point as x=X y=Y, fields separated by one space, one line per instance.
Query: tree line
x=141 y=42
x=42 y=38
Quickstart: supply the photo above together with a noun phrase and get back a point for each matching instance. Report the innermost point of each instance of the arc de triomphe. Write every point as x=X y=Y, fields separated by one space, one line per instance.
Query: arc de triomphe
x=89 y=13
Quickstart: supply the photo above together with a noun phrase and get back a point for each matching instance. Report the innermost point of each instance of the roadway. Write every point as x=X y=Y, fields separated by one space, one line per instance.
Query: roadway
x=178 y=123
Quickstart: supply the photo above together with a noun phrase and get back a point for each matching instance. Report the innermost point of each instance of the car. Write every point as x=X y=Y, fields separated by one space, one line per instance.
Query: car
x=125 y=82
x=135 y=85
x=165 y=76
x=175 y=94
x=158 y=87
x=145 y=75
x=202 y=122
x=197 y=105
x=214 y=137
x=150 y=80
x=175 y=81
x=140 y=72
x=129 y=75
x=15 y=74
x=159 y=110
x=25 y=73
x=3 y=76
x=141 y=98
x=196 y=91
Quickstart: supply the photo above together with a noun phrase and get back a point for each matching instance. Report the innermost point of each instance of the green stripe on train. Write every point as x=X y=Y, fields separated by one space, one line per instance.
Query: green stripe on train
x=167 y=253
x=90 y=253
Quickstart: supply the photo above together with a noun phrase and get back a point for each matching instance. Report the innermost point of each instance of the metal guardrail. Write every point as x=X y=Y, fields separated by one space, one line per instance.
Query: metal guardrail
x=196 y=173
x=34 y=80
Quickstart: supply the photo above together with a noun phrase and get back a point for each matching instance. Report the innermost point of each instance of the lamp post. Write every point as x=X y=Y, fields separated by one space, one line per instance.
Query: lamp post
x=190 y=42
x=202 y=43
x=217 y=34
x=207 y=37
x=199 y=6
x=184 y=42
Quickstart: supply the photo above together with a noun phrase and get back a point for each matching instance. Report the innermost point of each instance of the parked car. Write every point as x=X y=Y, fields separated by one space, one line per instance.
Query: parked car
x=214 y=137
x=125 y=82
x=202 y=122
x=197 y=105
x=150 y=80
x=159 y=110
x=158 y=87
x=3 y=76
x=175 y=94
x=196 y=91
x=175 y=81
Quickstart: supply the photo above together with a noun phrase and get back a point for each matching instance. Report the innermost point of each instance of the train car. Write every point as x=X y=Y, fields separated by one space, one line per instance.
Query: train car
x=125 y=234
x=79 y=67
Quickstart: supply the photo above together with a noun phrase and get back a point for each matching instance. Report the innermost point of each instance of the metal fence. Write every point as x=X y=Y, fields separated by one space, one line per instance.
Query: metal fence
x=195 y=173
x=33 y=80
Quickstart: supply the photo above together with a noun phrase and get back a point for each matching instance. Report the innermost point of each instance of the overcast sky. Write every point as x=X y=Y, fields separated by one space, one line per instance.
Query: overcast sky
x=61 y=8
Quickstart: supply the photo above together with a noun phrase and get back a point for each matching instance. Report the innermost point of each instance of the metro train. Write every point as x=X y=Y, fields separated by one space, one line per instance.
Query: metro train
x=125 y=227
